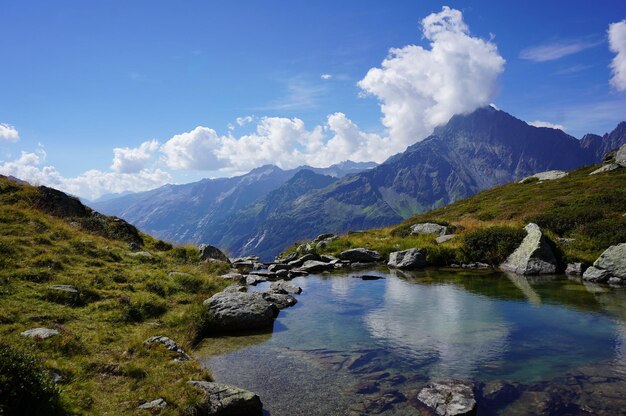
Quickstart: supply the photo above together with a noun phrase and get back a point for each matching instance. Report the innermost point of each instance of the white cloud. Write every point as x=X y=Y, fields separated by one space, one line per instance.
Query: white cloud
x=8 y=133
x=556 y=50
x=617 y=44
x=194 y=150
x=326 y=76
x=539 y=123
x=30 y=166
x=421 y=88
x=245 y=120
x=132 y=160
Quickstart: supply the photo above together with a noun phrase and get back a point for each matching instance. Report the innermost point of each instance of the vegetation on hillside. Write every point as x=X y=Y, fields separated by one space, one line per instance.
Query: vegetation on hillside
x=99 y=358
x=582 y=215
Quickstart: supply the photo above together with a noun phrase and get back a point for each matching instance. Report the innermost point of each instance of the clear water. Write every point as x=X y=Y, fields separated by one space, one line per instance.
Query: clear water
x=410 y=328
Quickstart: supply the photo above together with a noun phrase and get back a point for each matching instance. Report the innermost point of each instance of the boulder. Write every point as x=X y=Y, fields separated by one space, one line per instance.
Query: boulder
x=533 y=256
x=610 y=265
x=224 y=400
x=322 y=237
x=429 y=228
x=281 y=286
x=235 y=288
x=412 y=258
x=328 y=259
x=279 y=266
x=154 y=404
x=287 y=258
x=620 y=156
x=281 y=300
x=169 y=344
x=208 y=252
x=574 y=269
x=234 y=276
x=449 y=398
x=549 y=175
x=606 y=168
x=443 y=238
x=361 y=255
x=243 y=266
x=239 y=311
x=40 y=333
x=314 y=266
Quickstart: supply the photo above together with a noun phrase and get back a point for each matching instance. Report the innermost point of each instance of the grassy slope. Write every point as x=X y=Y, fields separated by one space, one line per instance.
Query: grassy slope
x=587 y=208
x=100 y=354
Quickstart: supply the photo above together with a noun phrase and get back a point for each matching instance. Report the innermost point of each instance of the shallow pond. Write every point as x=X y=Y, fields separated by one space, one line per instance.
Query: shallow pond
x=353 y=346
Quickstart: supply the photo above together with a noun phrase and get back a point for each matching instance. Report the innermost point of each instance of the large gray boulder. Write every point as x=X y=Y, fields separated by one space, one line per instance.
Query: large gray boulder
x=610 y=266
x=209 y=252
x=412 y=258
x=224 y=400
x=533 y=256
x=239 y=311
x=449 y=398
x=429 y=228
x=314 y=266
x=620 y=156
x=361 y=255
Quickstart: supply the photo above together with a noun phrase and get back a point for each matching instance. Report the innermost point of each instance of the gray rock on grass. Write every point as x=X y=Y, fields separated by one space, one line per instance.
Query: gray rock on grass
x=238 y=311
x=154 y=404
x=429 y=228
x=208 y=252
x=40 y=333
x=170 y=344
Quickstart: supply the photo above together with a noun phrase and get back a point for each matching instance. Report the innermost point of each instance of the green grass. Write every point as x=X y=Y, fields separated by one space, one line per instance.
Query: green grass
x=589 y=209
x=99 y=354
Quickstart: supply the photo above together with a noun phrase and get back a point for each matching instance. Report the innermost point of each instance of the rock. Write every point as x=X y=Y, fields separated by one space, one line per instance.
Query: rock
x=281 y=300
x=449 y=398
x=40 y=333
x=282 y=274
x=169 y=344
x=253 y=280
x=574 y=269
x=296 y=273
x=243 y=266
x=234 y=276
x=361 y=255
x=278 y=266
x=235 y=288
x=443 y=238
x=207 y=252
x=239 y=311
x=377 y=403
x=620 y=156
x=429 y=228
x=66 y=294
x=412 y=258
x=323 y=237
x=154 y=404
x=328 y=259
x=610 y=265
x=548 y=175
x=224 y=400
x=533 y=256
x=368 y=277
x=281 y=286
x=474 y=265
x=141 y=254
x=606 y=168
x=314 y=266
x=287 y=258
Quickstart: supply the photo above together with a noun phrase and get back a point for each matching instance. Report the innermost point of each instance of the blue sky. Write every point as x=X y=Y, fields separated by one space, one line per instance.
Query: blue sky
x=80 y=79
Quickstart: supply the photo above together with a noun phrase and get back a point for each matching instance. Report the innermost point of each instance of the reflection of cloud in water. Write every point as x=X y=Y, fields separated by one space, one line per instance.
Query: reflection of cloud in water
x=342 y=286
x=440 y=320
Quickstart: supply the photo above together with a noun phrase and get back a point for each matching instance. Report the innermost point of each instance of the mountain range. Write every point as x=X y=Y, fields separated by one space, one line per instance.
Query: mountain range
x=268 y=209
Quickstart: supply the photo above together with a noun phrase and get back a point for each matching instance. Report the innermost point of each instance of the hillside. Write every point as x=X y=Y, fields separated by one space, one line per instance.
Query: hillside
x=583 y=215
x=119 y=297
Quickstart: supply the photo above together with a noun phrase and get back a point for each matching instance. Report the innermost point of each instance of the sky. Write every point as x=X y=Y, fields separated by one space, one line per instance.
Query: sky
x=113 y=96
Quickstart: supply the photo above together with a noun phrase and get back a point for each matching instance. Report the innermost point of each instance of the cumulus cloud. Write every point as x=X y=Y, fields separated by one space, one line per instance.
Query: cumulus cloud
x=132 y=160
x=326 y=76
x=420 y=88
x=539 y=123
x=556 y=50
x=30 y=166
x=8 y=133
x=193 y=150
x=617 y=44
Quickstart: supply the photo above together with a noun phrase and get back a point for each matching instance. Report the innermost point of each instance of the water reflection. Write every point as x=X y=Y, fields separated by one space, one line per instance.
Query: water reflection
x=439 y=320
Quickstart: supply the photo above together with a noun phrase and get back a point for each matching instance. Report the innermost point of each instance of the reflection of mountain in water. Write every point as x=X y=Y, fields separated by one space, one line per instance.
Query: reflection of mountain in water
x=451 y=324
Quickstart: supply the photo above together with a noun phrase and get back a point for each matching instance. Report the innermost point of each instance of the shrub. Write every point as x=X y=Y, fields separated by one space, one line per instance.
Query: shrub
x=25 y=387
x=141 y=307
x=163 y=246
x=563 y=220
x=491 y=245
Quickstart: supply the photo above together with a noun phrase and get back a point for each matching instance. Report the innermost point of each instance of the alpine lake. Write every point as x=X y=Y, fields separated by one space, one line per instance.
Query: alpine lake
x=355 y=346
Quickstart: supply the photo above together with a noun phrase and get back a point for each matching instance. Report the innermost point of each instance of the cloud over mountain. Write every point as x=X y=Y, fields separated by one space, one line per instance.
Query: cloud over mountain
x=617 y=44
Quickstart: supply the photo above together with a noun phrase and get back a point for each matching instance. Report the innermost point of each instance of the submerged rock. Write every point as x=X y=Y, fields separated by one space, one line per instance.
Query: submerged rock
x=429 y=228
x=225 y=400
x=449 y=398
x=281 y=300
x=361 y=255
x=533 y=256
x=610 y=265
x=412 y=258
x=208 y=252
x=239 y=311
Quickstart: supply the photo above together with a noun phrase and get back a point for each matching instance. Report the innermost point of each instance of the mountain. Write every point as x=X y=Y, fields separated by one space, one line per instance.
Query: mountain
x=600 y=145
x=470 y=153
x=186 y=212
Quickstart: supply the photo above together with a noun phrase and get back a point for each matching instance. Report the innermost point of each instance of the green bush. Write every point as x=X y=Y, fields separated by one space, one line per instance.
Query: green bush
x=562 y=220
x=491 y=245
x=25 y=387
